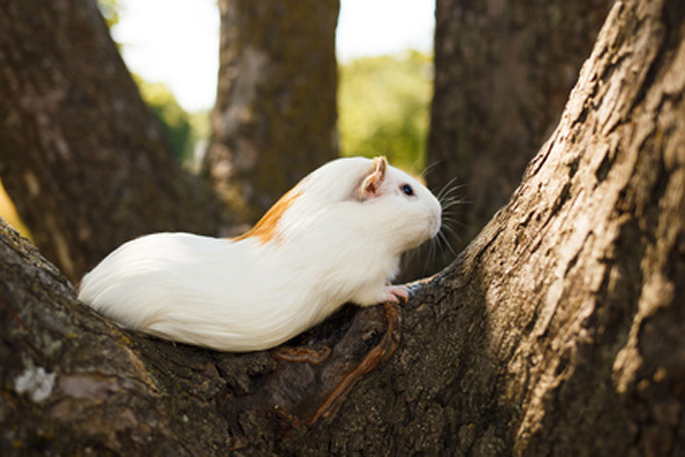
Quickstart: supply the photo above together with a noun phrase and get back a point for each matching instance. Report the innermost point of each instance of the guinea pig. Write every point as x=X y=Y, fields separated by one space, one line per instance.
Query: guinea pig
x=336 y=237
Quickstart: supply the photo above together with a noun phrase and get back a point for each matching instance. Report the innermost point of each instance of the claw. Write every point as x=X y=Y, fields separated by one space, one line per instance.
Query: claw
x=395 y=294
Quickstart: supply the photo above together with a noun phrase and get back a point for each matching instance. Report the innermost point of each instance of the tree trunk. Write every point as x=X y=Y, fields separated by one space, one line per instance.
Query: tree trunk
x=82 y=157
x=559 y=330
x=275 y=114
x=503 y=71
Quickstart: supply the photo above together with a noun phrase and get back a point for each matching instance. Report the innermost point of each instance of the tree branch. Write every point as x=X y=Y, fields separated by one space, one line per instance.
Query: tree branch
x=558 y=330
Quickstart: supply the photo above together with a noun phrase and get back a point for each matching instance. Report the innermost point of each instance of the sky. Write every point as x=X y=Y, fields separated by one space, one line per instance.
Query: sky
x=177 y=41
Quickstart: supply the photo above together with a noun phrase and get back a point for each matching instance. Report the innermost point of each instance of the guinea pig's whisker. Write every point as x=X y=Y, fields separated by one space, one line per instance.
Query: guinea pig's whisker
x=450 y=199
x=429 y=169
x=448 y=233
x=449 y=188
x=446 y=205
x=445 y=240
x=449 y=220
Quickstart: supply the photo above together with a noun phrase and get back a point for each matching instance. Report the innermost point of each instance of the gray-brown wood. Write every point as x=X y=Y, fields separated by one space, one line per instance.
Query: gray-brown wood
x=74 y=382
x=80 y=154
x=503 y=72
x=275 y=115
x=559 y=330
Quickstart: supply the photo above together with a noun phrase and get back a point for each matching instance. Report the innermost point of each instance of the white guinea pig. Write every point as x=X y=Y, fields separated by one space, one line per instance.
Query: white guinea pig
x=336 y=237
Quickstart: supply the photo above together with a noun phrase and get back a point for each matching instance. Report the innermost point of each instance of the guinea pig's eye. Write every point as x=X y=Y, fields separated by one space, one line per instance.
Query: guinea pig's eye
x=407 y=189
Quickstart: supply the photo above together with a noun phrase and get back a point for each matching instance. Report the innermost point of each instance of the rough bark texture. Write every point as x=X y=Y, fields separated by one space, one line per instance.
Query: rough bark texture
x=75 y=383
x=80 y=154
x=503 y=71
x=558 y=331
x=275 y=114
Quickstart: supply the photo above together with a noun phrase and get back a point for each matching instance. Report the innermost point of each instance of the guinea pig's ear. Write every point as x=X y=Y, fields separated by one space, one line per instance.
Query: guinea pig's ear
x=371 y=185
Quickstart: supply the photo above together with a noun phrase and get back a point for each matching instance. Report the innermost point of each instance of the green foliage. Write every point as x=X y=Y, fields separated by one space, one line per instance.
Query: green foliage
x=181 y=129
x=384 y=107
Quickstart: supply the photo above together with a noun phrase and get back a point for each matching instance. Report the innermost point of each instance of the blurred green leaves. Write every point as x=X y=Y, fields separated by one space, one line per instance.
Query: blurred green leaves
x=383 y=106
x=182 y=129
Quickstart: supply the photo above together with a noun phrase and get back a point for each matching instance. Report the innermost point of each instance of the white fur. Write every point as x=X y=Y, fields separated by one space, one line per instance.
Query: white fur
x=330 y=248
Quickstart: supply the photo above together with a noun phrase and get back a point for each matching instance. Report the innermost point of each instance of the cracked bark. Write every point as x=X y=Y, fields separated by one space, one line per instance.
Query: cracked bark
x=499 y=95
x=558 y=331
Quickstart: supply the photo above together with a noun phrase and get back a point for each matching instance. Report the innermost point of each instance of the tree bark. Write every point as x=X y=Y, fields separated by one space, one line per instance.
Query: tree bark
x=275 y=115
x=503 y=71
x=559 y=330
x=82 y=157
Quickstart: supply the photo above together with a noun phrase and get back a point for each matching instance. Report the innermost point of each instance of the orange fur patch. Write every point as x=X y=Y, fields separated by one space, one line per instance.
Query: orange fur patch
x=265 y=230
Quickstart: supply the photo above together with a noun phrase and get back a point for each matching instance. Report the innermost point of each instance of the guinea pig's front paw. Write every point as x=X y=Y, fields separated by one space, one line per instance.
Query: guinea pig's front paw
x=394 y=294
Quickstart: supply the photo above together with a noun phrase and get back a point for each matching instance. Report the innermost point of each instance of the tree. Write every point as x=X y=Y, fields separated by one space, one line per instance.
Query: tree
x=502 y=75
x=82 y=157
x=559 y=330
x=275 y=114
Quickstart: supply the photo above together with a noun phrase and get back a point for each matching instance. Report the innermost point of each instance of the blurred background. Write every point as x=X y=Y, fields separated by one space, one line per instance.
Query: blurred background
x=125 y=117
x=384 y=52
